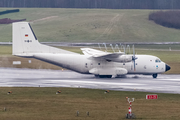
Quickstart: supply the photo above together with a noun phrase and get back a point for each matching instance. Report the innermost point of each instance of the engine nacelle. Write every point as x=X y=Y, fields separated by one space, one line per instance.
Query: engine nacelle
x=125 y=58
x=122 y=59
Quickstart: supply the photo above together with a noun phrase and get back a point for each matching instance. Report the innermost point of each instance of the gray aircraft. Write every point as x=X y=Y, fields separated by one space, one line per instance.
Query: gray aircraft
x=99 y=63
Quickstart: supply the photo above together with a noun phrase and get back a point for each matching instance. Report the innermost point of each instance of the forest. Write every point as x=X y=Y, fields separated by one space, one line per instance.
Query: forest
x=104 y=4
x=166 y=18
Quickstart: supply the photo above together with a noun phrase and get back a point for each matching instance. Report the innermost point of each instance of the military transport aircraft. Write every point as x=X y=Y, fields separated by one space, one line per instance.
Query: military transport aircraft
x=99 y=63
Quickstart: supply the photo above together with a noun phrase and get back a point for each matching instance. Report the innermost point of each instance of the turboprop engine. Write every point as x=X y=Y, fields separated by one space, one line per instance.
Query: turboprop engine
x=123 y=58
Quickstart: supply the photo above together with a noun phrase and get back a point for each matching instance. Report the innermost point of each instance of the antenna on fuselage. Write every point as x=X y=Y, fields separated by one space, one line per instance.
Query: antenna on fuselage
x=128 y=48
x=105 y=46
x=117 y=47
x=112 y=47
x=123 y=47
x=99 y=46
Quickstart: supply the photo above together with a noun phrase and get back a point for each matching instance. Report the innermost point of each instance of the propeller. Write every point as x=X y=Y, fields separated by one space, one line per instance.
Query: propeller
x=134 y=58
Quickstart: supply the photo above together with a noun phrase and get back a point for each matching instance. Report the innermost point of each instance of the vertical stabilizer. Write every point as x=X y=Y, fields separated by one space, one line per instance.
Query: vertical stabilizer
x=24 y=39
x=25 y=42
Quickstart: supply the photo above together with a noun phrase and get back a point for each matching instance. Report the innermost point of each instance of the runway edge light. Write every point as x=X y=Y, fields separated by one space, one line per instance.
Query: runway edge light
x=151 y=96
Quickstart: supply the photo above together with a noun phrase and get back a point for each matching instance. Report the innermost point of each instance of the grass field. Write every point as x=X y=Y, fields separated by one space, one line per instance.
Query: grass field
x=44 y=104
x=90 y=25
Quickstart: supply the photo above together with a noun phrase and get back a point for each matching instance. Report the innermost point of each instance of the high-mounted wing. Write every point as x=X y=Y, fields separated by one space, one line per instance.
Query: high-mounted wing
x=115 y=57
x=93 y=52
x=98 y=53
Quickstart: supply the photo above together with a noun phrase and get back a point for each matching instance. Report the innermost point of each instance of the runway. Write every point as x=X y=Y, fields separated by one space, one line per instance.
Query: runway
x=55 y=78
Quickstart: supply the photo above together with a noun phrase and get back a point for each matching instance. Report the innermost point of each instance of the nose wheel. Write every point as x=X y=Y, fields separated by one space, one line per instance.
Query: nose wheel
x=154 y=75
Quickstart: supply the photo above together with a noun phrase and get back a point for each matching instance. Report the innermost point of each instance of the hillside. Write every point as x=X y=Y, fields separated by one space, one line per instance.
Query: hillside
x=90 y=25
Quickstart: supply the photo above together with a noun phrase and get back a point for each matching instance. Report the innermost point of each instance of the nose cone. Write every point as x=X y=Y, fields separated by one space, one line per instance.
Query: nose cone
x=167 y=67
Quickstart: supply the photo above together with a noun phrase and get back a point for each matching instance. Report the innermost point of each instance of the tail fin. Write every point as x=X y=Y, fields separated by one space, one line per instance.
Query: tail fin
x=25 y=42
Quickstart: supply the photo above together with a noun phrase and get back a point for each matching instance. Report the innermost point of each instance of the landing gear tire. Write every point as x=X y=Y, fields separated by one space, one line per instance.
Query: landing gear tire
x=109 y=76
x=103 y=76
x=96 y=76
x=154 y=75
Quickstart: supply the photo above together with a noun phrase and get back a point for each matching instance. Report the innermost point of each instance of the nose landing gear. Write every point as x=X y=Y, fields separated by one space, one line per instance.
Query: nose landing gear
x=154 y=75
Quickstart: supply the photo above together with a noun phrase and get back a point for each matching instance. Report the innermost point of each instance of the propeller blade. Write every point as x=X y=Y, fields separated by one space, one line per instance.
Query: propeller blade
x=133 y=51
x=134 y=65
x=134 y=58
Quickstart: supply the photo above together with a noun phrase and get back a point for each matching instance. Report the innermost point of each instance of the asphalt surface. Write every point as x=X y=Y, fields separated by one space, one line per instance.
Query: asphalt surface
x=56 y=78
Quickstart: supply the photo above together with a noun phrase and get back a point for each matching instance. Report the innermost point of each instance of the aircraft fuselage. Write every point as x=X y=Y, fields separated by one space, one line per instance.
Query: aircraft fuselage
x=145 y=64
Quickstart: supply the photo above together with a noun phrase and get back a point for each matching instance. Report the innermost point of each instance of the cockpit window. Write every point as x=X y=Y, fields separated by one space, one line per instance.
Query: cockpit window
x=157 y=60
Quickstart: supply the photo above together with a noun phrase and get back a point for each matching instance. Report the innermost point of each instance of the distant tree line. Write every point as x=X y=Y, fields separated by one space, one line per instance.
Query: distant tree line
x=107 y=4
x=8 y=20
x=9 y=11
x=169 y=19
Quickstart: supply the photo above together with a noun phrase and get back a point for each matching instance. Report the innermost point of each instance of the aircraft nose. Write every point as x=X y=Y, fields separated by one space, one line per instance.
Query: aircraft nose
x=167 y=67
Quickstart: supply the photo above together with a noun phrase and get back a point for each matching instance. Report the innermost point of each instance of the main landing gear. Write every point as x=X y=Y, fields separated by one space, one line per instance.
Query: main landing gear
x=154 y=75
x=103 y=76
